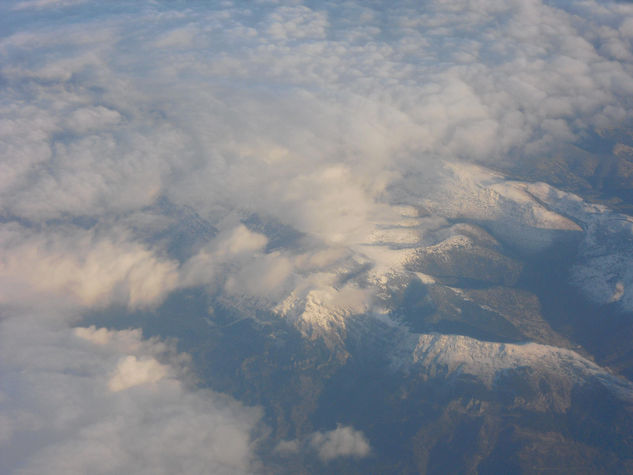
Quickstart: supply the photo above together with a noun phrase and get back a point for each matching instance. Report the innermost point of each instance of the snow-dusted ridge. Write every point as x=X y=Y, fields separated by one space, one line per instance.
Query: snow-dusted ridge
x=604 y=271
x=533 y=216
x=474 y=193
x=437 y=354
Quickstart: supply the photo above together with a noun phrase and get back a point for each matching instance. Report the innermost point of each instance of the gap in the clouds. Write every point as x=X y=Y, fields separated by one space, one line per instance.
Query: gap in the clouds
x=252 y=355
x=81 y=222
x=186 y=233
x=279 y=235
x=602 y=332
x=597 y=331
x=263 y=360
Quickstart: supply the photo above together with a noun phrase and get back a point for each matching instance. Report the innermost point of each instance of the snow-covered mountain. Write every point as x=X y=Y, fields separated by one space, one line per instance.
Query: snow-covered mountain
x=437 y=355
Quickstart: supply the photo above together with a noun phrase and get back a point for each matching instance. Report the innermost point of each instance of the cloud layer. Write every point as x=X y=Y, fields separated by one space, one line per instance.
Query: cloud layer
x=99 y=401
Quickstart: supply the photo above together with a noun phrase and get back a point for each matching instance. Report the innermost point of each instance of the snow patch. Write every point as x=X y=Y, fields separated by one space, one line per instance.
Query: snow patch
x=436 y=354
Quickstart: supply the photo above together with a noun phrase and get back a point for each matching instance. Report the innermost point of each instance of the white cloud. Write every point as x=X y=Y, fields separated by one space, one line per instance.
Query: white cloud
x=80 y=266
x=132 y=372
x=37 y=4
x=296 y=22
x=286 y=447
x=344 y=441
x=178 y=37
x=104 y=401
x=241 y=240
x=85 y=119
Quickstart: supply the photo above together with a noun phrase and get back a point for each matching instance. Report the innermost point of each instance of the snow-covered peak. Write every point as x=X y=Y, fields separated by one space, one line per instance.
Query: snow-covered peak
x=445 y=355
x=473 y=193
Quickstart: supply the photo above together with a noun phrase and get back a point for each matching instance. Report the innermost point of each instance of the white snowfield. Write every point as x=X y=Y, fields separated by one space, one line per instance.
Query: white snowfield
x=509 y=211
x=446 y=355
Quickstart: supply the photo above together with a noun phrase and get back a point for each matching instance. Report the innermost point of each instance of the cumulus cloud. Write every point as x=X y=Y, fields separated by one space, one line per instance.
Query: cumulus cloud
x=131 y=372
x=344 y=441
x=80 y=266
x=287 y=447
x=104 y=401
x=534 y=76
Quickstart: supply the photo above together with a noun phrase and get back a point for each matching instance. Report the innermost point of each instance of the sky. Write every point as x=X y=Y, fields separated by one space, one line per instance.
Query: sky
x=333 y=119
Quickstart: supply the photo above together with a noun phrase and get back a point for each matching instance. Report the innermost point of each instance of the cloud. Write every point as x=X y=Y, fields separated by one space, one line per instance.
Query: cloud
x=178 y=37
x=204 y=127
x=286 y=447
x=38 y=4
x=132 y=372
x=103 y=401
x=296 y=22
x=344 y=441
x=80 y=266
